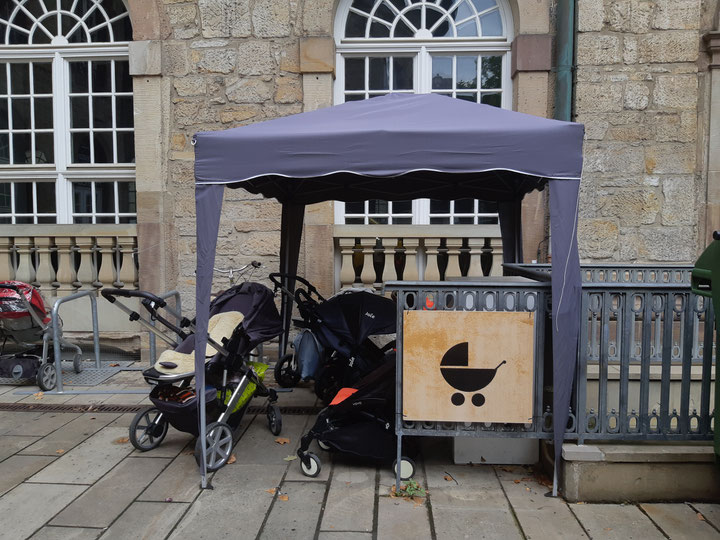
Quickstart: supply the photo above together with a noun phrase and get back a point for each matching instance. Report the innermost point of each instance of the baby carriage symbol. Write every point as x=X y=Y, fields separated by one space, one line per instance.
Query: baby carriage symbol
x=455 y=371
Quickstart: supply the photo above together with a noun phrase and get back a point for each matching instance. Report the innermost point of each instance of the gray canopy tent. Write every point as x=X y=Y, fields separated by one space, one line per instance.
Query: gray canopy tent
x=400 y=147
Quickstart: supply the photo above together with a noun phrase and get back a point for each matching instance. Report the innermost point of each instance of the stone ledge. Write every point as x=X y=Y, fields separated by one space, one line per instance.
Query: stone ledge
x=639 y=453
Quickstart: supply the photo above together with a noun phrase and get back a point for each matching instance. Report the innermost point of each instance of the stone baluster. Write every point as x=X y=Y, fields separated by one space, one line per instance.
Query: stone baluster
x=7 y=259
x=65 y=276
x=347 y=269
x=25 y=271
x=432 y=247
x=497 y=257
x=127 y=275
x=367 y=274
x=453 y=253
x=44 y=273
x=410 y=273
x=475 y=245
x=86 y=274
x=104 y=256
x=389 y=245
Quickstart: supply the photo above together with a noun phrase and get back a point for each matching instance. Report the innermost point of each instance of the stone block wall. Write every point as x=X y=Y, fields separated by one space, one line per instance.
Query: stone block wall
x=229 y=63
x=639 y=93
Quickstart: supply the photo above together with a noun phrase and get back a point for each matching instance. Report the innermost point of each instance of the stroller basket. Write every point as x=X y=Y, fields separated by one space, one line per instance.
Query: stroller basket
x=183 y=416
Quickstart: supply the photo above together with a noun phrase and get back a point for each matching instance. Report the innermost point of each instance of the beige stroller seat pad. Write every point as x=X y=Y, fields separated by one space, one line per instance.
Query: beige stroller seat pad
x=220 y=326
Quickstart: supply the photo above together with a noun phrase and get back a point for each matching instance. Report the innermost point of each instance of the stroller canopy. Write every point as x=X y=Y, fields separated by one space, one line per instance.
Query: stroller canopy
x=400 y=147
x=12 y=306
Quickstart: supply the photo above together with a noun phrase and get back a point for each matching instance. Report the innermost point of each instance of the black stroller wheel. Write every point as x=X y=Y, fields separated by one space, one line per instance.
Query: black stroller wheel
x=274 y=419
x=218 y=446
x=46 y=377
x=407 y=468
x=148 y=429
x=286 y=374
x=313 y=466
x=328 y=383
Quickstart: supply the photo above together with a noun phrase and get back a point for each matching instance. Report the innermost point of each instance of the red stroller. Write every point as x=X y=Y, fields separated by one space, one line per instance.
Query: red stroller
x=24 y=320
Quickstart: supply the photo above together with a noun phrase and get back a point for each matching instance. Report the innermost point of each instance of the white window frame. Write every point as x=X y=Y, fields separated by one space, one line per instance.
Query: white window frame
x=63 y=171
x=422 y=50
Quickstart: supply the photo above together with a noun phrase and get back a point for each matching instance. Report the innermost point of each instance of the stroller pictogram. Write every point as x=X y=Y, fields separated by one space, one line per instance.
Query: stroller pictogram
x=454 y=369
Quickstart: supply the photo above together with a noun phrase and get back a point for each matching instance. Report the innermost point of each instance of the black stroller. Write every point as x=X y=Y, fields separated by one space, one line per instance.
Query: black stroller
x=342 y=325
x=241 y=318
x=359 y=422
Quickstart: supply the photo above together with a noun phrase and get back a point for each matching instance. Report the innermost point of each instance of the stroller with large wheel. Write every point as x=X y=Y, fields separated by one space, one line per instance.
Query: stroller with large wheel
x=359 y=422
x=24 y=320
x=341 y=326
x=241 y=318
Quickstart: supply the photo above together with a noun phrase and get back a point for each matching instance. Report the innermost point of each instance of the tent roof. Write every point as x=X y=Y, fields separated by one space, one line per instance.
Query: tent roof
x=393 y=147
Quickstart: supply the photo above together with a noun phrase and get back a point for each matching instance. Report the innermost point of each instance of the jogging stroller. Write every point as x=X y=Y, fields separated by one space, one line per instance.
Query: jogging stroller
x=341 y=326
x=24 y=320
x=359 y=422
x=241 y=318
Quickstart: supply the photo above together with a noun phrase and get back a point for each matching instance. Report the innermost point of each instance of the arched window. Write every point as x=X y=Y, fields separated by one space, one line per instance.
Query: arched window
x=458 y=48
x=67 y=148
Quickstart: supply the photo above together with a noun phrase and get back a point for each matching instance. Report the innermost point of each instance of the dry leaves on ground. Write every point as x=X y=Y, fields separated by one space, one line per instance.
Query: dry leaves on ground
x=38 y=395
x=271 y=491
x=700 y=517
x=283 y=497
x=59 y=451
x=114 y=365
x=121 y=440
x=232 y=460
x=282 y=440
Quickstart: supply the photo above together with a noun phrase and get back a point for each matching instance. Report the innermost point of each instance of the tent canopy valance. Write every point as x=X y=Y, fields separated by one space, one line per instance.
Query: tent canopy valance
x=396 y=147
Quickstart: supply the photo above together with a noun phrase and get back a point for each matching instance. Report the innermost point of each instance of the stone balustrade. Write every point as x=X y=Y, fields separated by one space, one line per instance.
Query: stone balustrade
x=62 y=259
x=373 y=254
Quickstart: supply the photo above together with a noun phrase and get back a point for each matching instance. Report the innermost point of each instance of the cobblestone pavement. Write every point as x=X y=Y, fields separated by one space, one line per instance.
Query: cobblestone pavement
x=71 y=475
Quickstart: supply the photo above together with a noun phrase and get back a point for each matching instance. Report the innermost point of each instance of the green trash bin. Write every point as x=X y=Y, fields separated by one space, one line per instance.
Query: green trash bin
x=706 y=282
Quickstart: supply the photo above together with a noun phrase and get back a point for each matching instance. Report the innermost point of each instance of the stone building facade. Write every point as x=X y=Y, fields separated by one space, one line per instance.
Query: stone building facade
x=644 y=90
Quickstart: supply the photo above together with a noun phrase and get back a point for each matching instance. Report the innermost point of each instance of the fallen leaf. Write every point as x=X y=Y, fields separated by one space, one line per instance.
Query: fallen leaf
x=348 y=483
x=121 y=440
x=448 y=478
x=580 y=503
x=283 y=497
x=271 y=491
x=38 y=395
x=517 y=480
x=418 y=501
x=114 y=365
x=282 y=440
x=290 y=458
x=59 y=451
x=525 y=479
x=608 y=528
x=700 y=517
x=232 y=460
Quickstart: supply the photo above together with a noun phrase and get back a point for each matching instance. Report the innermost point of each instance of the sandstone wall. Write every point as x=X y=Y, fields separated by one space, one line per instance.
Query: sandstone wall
x=640 y=92
x=228 y=63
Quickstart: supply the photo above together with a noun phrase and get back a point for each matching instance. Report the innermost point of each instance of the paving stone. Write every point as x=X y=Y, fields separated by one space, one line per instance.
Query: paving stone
x=89 y=461
x=32 y=505
x=475 y=503
x=174 y=442
x=71 y=434
x=298 y=516
x=711 y=512
x=146 y=521
x=240 y=495
x=180 y=481
x=45 y=398
x=344 y=535
x=351 y=500
x=540 y=517
x=294 y=472
x=615 y=522
x=106 y=500
x=122 y=421
x=11 y=444
x=258 y=447
x=65 y=533
x=43 y=424
x=399 y=518
x=17 y=469
x=680 y=521
x=11 y=420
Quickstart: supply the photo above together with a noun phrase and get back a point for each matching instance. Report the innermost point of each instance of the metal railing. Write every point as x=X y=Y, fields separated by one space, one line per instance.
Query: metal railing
x=645 y=362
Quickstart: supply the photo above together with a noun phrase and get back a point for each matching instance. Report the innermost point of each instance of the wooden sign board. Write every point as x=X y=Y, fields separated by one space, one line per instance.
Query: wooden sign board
x=468 y=366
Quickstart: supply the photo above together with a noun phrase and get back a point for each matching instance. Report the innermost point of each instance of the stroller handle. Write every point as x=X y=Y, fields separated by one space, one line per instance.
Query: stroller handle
x=276 y=278
x=110 y=296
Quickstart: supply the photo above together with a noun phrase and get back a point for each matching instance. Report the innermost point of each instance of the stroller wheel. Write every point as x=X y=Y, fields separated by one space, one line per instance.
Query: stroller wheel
x=77 y=363
x=313 y=466
x=274 y=419
x=323 y=446
x=46 y=377
x=286 y=374
x=148 y=429
x=407 y=468
x=219 y=443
